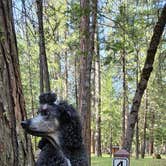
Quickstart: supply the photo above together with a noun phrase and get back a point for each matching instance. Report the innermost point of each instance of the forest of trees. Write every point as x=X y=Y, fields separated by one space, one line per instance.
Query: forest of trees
x=107 y=58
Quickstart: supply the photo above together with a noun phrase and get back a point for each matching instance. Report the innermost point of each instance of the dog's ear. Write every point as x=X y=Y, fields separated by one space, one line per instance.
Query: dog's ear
x=71 y=126
x=47 y=98
x=72 y=136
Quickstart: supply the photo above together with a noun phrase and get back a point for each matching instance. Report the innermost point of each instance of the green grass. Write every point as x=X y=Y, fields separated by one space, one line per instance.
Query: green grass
x=148 y=161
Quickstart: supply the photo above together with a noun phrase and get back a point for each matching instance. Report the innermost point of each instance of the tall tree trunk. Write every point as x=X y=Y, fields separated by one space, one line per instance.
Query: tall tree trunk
x=93 y=112
x=85 y=74
x=44 y=74
x=98 y=111
x=111 y=140
x=76 y=80
x=92 y=141
x=97 y=89
x=124 y=114
x=98 y=101
x=137 y=122
x=124 y=96
x=66 y=69
x=151 y=139
x=148 y=67
x=15 y=146
x=144 y=126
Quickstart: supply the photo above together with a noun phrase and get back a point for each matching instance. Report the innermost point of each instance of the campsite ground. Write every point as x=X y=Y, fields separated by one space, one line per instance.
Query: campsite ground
x=148 y=161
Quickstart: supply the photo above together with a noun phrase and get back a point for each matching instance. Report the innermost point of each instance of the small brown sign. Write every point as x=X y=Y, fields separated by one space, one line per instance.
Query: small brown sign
x=121 y=158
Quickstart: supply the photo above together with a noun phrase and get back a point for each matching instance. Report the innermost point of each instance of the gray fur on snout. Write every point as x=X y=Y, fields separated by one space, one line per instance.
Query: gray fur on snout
x=42 y=124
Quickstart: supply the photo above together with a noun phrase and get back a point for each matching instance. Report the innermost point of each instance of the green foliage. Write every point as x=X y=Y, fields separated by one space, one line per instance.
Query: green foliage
x=130 y=27
x=110 y=110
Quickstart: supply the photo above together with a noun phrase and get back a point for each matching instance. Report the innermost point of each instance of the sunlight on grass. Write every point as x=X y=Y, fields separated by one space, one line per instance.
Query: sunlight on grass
x=148 y=161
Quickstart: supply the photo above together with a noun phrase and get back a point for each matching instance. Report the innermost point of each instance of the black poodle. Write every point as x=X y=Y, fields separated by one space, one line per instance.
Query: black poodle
x=59 y=126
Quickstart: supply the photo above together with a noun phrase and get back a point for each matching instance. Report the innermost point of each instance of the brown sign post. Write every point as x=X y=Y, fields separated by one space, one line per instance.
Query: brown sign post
x=121 y=158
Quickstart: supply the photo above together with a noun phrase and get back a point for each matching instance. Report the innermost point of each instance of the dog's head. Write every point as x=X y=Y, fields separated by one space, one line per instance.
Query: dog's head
x=56 y=121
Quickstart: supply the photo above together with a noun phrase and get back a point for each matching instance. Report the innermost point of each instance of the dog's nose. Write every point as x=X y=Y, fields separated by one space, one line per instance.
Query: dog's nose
x=24 y=124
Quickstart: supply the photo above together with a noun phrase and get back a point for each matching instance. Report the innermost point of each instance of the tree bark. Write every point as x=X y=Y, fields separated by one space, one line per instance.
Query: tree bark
x=137 y=122
x=94 y=49
x=76 y=80
x=111 y=140
x=124 y=96
x=98 y=101
x=85 y=74
x=151 y=139
x=98 y=111
x=124 y=113
x=15 y=146
x=145 y=74
x=66 y=75
x=144 y=127
x=92 y=141
x=44 y=74
x=93 y=112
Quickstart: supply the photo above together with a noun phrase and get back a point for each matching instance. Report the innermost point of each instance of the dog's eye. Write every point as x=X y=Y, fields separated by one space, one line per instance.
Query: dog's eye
x=45 y=112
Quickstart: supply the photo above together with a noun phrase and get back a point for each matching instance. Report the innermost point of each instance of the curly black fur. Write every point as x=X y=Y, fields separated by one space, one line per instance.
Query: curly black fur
x=71 y=144
x=51 y=156
x=47 y=98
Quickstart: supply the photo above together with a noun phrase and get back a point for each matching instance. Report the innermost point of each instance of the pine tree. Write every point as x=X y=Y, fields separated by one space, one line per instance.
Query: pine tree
x=145 y=75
